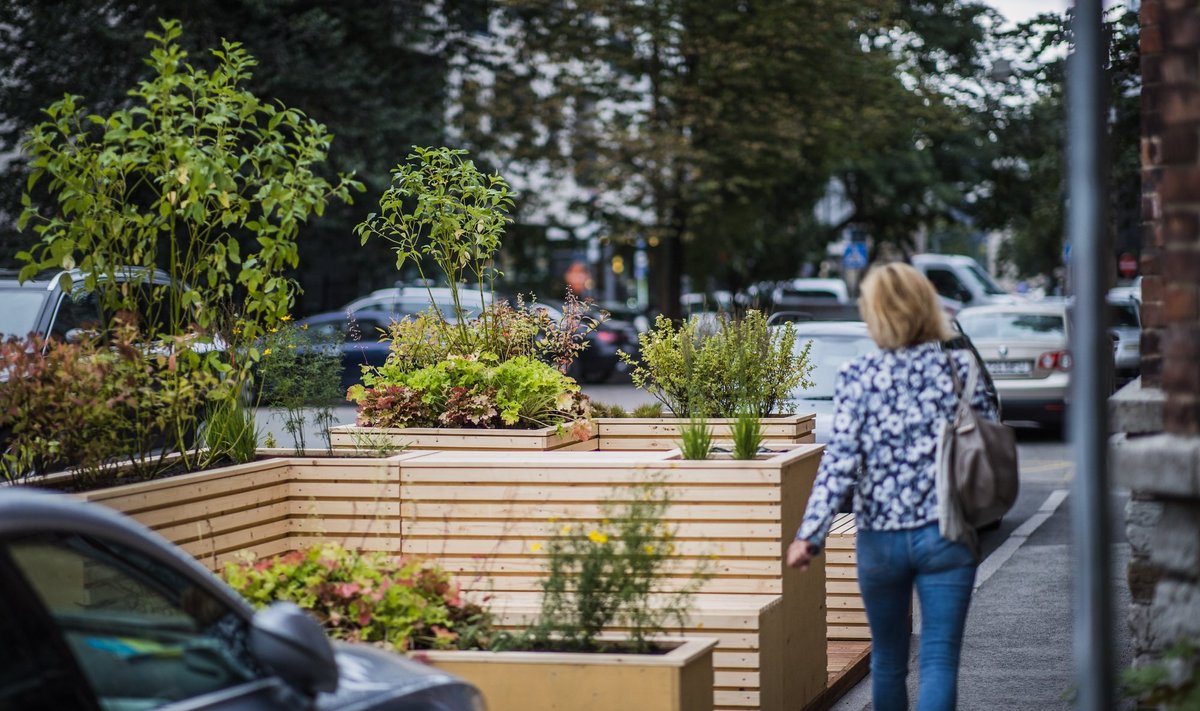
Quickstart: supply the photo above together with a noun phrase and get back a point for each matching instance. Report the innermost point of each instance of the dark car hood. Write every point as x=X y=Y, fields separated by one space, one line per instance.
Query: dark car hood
x=370 y=678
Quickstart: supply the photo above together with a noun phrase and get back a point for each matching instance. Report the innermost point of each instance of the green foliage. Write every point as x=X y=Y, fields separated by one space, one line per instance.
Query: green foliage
x=92 y=407
x=603 y=409
x=741 y=365
x=300 y=374
x=367 y=597
x=695 y=438
x=1171 y=684
x=747 y=435
x=465 y=392
x=647 y=410
x=229 y=431
x=195 y=175
x=441 y=208
x=605 y=574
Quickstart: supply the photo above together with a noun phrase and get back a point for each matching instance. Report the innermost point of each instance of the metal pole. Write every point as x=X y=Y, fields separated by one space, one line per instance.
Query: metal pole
x=1088 y=417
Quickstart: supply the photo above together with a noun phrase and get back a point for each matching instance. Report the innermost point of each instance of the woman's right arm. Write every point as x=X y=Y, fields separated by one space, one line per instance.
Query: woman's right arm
x=840 y=463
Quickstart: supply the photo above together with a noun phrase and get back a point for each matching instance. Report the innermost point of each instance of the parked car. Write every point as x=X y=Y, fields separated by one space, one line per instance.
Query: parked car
x=1027 y=350
x=41 y=306
x=357 y=335
x=835 y=343
x=410 y=300
x=961 y=282
x=1125 y=324
x=101 y=613
x=787 y=295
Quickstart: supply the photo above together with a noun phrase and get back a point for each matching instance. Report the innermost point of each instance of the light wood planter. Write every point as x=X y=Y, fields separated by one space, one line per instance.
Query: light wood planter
x=847 y=618
x=352 y=438
x=662 y=433
x=680 y=680
x=481 y=514
x=266 y=507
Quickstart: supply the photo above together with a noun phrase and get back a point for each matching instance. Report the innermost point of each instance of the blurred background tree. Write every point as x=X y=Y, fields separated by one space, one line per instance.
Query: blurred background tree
x=706 y=128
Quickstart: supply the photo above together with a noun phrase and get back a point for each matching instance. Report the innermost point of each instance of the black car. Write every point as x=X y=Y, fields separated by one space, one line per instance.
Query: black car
x=102 y=614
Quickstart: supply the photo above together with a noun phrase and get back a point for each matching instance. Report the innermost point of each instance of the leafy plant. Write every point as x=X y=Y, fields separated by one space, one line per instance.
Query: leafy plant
x=91 y=406
x=1170 y=684
x=747 y=435
x=610 y=574
x=301 y=375
x=194 y=175
x=740 y=364
x=696 y=438
x=603 y=409
x=368 y=597
x=387 y=405
x=229 y=431
x=473 y=392
x=441 y=208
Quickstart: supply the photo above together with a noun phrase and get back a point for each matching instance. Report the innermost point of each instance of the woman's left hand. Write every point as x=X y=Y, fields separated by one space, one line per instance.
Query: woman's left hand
x=800 y=554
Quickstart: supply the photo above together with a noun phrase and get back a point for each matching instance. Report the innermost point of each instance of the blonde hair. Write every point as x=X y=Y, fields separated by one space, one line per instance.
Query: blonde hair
x=901 y=307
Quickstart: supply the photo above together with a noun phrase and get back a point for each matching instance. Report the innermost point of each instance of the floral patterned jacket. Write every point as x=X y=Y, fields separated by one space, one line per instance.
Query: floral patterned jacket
x=889 y=407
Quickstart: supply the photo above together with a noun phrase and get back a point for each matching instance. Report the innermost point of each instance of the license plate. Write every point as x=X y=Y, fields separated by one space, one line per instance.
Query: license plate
x=1009 y=367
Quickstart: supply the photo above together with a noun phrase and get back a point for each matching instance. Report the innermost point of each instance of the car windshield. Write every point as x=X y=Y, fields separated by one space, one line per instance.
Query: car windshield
x=1013 y=326
x=985 y=281
x=828 y=355
x=20 y=312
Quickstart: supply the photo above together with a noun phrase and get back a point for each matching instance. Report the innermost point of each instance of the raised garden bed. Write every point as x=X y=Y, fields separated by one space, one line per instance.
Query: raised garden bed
x=681 y=679
x=662 y=433
x=352 y=438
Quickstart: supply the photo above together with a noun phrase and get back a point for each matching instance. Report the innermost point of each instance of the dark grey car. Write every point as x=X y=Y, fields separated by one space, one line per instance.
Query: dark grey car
x=102 y=614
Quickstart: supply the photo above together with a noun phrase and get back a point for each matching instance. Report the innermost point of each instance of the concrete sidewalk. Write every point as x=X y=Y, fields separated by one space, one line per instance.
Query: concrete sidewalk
x=1017 y=653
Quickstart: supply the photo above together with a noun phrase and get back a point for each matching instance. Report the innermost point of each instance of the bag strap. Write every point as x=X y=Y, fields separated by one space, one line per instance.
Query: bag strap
x=963 y=394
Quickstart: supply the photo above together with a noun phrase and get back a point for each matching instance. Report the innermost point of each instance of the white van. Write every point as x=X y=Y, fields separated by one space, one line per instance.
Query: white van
x=961 y=282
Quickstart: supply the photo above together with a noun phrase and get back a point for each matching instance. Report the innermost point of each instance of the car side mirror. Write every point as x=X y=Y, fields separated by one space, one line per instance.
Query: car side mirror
x=292 y=645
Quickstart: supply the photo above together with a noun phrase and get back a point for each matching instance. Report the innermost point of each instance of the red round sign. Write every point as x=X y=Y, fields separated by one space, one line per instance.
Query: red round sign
x=1127 y=265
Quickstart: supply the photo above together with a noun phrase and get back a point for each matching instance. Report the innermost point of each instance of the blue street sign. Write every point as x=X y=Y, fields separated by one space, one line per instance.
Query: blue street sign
x=855 y=256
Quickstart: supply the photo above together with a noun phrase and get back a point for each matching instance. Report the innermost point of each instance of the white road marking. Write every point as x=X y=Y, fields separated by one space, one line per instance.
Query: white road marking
x=1017 y=538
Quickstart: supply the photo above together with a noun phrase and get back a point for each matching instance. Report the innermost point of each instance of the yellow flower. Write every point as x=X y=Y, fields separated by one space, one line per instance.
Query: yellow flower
x=566 y=529
x=649 y=549
x=304 y=327
x=553 y=519
x=285 y=318
x=598 y=537
x=274 y=330
x=535 y=547
x=266 y=351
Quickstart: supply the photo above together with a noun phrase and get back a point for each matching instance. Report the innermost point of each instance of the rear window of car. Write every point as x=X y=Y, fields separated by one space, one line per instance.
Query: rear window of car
x=19 y=309
x=1013 y=326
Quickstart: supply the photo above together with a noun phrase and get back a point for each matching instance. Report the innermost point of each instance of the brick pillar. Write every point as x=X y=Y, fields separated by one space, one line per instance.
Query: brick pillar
x=1175 y=108
x=1150 y=48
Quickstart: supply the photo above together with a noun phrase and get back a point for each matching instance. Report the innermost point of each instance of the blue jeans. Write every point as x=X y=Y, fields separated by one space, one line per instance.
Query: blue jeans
x=890 y=563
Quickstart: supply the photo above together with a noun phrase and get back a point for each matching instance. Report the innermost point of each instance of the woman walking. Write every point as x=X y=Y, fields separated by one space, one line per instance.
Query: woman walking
x=889 y=409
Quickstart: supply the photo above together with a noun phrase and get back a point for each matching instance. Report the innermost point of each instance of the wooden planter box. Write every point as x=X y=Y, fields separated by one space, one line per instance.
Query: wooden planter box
x=266 y=507
x=680 y=680
x=662 y=433
x=352 y=438
x=481 y=514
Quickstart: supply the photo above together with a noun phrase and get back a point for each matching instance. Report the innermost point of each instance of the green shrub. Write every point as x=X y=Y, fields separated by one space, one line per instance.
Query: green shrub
x=301 y=375
x=474 y=392
x=92 y=406
x=368 y=597
x=229 y=431
x=1170 y=684
x=747 y=436
x=741 y=364
x=647 y=410
x=194 y=175
x=696 y=438
x=605 y=574
x=602 y=409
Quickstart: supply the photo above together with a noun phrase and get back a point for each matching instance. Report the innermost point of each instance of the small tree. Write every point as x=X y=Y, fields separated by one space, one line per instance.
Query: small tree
x=196 y=176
